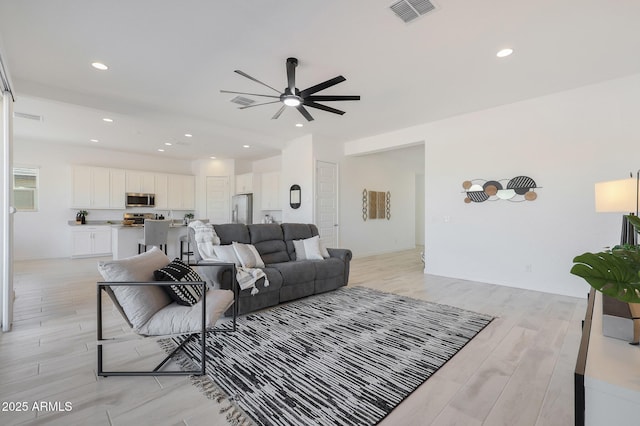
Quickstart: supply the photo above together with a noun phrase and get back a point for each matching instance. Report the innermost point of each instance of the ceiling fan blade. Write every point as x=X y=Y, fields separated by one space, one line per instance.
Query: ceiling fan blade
x=292 y=63
x=277 y=114
x=322 y=107
x=244 y=74
x=304 y=112
x=250 y=94
x=325 y=84
x=327 y=98
x=255 y=105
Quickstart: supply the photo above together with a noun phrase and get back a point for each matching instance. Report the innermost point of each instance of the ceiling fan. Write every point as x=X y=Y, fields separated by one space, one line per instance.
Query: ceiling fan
x=293 y=97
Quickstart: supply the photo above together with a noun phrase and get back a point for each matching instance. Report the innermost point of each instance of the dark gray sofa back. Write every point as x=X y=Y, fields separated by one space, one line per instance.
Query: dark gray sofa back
x=230 y=232
x=269 y=241
x=297 y=231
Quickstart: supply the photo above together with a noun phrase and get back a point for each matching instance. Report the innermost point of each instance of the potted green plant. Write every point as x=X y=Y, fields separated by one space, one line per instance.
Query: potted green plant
x=188 y=217
x=614 y=272
x=81 y=216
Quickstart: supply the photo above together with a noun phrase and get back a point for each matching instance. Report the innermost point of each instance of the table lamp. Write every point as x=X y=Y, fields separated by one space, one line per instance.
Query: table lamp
x=619 y=196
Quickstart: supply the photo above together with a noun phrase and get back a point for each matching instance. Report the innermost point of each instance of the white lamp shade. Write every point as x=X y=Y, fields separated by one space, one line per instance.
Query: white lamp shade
x=616 y=196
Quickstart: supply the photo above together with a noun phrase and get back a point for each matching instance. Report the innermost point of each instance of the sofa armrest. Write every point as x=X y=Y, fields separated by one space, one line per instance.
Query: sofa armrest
x=345 y=255
x=218 y=275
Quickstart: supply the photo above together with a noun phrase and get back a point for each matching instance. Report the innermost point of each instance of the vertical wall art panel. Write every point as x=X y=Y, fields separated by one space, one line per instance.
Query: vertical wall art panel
x=373 y=204
x=381 y=203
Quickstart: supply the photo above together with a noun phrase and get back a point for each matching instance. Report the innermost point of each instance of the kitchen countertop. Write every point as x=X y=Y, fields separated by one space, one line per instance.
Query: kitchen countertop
x=118 y=224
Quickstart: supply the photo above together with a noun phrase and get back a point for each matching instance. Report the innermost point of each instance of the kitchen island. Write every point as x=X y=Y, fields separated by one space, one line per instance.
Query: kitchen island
x=124 y=240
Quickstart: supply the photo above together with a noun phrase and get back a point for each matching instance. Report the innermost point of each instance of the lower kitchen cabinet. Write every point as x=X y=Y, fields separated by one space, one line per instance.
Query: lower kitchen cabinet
x=89 y=241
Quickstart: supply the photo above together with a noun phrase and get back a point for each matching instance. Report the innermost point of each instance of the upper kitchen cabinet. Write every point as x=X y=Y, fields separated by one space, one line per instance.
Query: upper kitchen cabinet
x=97 y=188
x=181 y=192
x=244 y=183
x=162 y=191
x=140 y=182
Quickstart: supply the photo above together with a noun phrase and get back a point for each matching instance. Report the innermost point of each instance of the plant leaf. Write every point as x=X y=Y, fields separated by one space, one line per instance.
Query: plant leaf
x=615 y=275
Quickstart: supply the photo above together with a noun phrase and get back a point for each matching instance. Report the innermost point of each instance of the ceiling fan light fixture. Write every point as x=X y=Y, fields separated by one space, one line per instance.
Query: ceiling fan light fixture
x=292 y=101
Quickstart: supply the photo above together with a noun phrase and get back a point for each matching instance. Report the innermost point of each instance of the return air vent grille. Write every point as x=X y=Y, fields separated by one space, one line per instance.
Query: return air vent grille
x=241 y=100
x=28 y=116
x=408 y=10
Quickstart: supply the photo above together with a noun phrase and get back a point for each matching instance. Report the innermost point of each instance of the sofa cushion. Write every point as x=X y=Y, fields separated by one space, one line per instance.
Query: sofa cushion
x=268 y=240
x=230 y=232
x=177 y=270
x=137 y=302
x=328 y=268
x=294 y=273
x=176 y=319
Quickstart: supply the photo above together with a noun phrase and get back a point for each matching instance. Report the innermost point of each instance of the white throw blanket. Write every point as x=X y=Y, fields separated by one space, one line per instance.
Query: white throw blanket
x=206 y=238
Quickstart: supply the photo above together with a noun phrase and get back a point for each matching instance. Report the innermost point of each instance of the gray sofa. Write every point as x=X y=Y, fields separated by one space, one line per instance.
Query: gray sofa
x=289 y=278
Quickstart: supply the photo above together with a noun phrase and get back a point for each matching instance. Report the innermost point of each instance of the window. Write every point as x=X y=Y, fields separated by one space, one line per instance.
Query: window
x=25 y=188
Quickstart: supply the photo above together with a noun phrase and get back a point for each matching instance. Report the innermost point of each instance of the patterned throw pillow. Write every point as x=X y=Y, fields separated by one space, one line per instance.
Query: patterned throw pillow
x=187 y=295
x=248 y=255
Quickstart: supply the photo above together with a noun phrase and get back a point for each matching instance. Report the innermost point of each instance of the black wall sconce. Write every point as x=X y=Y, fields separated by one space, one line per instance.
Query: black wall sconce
x=294 y=196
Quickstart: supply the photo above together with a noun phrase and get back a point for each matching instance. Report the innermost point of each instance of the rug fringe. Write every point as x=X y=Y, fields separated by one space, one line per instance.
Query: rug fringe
x=235 y=415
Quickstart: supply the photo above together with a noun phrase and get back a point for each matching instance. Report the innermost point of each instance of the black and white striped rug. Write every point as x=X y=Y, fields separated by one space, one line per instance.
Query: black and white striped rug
x=347 y=357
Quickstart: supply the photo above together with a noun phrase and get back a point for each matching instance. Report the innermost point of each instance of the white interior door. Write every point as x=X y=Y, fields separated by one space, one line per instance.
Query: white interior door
x=218 y=199
x=6 y=215
x=327 y=203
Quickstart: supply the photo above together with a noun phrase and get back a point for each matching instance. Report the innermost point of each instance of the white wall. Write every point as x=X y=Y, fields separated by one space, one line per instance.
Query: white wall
x=566 y=142
x=298 y=168
x=45 y=233
x=420 y=197
x=384 y=173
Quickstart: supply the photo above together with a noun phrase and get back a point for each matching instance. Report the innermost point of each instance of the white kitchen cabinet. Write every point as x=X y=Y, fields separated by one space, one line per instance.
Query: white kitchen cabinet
x=97 y=188
x=87 y=241
x=181 y=192
x=140 y=182
x=271 y=195
x=162 y=191
x=244 y=183
x=117 y=189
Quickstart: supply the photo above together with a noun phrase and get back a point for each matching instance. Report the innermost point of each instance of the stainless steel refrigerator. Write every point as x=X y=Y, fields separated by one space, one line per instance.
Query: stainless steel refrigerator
x=242 y=209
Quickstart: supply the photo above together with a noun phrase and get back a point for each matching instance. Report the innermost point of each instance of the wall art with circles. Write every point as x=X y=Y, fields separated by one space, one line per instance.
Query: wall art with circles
x=517 y=189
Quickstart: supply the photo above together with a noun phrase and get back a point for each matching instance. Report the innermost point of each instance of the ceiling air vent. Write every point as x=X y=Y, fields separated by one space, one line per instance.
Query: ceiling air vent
x=241 y=100
x=408 y=10
x=28 y=116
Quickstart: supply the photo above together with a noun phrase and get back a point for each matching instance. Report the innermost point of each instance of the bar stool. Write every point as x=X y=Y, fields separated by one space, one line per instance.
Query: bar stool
x=185 y=239
x=155 y=234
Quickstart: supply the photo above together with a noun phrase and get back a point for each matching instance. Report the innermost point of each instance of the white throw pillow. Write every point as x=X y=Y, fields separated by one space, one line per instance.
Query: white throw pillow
x=226 y=254
x=248 y=255
x=308 y=249
x=139 y=302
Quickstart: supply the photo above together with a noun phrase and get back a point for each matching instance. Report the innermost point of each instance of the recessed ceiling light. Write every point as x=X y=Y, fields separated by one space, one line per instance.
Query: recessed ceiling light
x=94 y=140
x=504 y=53
x=167 y=143
x=213 y=158
x=299 y=125
x=160 y=149
x=188 y=135
x=99 y=66
x=246 y=146
x=108 y=120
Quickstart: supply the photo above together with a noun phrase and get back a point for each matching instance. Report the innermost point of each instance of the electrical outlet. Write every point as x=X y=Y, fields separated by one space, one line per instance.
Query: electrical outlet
x=447 y=219
x=528 y=267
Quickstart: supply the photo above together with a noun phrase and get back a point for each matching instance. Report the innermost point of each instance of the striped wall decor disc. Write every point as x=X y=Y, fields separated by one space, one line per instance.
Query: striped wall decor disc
x=347 y=357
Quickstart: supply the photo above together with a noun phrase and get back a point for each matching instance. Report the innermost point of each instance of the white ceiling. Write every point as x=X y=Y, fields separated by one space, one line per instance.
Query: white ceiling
x=169 y=60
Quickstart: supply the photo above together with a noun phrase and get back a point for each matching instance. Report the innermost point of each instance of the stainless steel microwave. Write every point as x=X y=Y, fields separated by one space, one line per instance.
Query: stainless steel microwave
x=141 y=200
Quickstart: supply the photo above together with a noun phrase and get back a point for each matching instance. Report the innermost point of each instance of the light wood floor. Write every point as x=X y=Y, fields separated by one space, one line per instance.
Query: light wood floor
x=517 y=371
